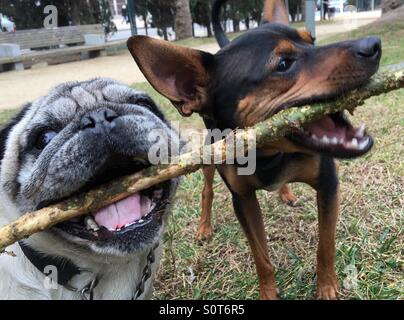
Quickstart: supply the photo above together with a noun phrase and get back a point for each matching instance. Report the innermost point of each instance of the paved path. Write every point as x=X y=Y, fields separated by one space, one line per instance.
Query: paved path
x=19 y=87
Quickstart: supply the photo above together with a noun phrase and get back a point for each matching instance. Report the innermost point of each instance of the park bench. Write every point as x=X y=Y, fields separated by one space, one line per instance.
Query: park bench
x=22 y=49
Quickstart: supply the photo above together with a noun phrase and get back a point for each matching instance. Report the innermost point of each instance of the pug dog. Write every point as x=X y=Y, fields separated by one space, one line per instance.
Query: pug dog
x=79 y=136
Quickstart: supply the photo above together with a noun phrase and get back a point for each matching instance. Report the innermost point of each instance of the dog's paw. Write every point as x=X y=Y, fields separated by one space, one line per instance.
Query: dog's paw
x=269 y=294
x=287 y=196
x=204 y=233
x=327 y=292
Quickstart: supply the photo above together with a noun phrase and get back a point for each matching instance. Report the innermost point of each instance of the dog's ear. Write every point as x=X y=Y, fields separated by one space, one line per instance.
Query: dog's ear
x=275 y=11
x=178 y=73
x=5 y=131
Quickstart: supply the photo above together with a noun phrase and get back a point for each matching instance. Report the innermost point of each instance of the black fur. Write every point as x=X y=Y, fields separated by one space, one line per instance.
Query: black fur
x=217 y=26
x=147 y=102
x=239 y=68
x=9 y=126
x=327 y=183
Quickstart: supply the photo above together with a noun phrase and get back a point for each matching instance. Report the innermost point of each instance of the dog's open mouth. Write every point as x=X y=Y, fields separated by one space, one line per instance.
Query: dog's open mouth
x=124 y=216
x=135 y=218
x=334 y=135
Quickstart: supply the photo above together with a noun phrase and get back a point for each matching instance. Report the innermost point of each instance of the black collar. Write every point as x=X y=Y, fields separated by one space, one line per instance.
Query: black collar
x=268 y=163
x=65 y=268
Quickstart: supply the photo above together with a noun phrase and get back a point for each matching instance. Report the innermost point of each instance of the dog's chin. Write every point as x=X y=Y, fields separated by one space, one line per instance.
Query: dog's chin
x=125 y=226
x=333 y=134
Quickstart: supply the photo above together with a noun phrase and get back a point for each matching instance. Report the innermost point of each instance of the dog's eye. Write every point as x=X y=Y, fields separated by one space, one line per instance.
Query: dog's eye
x=44 y=138
x=284 y=64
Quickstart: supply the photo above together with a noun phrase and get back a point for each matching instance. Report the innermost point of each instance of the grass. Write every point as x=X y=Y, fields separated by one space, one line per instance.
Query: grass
x=370 y=230
x=392 y=35
x=369 y=240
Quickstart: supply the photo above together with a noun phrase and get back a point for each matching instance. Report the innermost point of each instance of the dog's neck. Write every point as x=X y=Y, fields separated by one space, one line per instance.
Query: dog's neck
x=118 y=277
x=118 y=281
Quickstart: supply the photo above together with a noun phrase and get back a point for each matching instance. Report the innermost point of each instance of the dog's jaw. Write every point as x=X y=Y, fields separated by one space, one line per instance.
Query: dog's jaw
x=30 y=177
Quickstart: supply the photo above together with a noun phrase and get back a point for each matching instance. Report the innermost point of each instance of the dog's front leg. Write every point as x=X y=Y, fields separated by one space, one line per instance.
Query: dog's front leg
x=328 y=200
x=205 y=224
x=249 y=215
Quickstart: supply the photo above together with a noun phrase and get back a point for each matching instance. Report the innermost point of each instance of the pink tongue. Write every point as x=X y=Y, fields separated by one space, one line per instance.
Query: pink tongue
x=124 y=212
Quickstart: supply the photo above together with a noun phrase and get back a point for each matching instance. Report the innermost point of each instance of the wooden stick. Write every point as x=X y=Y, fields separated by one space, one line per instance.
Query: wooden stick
x=277 y=126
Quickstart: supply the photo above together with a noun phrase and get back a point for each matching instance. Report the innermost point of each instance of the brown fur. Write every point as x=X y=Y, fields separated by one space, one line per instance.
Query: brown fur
x=275 y=11
x=305 y=35
x=182 y=75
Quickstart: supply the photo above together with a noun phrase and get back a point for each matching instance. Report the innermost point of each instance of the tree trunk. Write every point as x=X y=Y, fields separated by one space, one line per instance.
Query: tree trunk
x=74 y=13
x=247 y=23
x=183 y=20
x=279 y=125
x=298 y=17
x=146 y=28
x=388 y=5
x=209 y=30
x=165 y=33
x=236 y=25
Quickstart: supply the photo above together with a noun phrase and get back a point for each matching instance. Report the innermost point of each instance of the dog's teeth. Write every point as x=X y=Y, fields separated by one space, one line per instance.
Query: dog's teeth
x=361 y=131
x=325 y=140
x=91 y=224
x=314 y=137
x=140 y=221
x=354 y=143
x=334 y=140
x=364 y=143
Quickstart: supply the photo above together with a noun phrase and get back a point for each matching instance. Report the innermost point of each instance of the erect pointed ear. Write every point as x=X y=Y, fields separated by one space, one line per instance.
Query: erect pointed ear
x=178 y=73
x=275 y=11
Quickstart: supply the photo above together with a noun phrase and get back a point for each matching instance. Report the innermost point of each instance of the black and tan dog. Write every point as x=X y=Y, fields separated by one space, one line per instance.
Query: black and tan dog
x=250 y=79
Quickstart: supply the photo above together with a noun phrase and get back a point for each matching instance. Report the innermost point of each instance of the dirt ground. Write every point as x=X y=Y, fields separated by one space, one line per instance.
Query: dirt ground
x=19 y=87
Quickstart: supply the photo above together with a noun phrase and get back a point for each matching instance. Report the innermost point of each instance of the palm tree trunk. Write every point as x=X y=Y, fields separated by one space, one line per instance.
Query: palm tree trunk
x=183 y=20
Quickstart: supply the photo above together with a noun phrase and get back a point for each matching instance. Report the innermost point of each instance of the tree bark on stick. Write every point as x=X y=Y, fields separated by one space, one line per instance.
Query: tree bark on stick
x=277 y=126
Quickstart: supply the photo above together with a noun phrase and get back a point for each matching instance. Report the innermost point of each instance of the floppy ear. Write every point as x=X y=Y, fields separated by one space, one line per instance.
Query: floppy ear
x=5 y=131
x=275 y=11
x=178 y=73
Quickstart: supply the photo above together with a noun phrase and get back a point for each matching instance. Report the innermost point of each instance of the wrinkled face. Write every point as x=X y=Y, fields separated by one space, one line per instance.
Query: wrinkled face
x=78 y=137
x=275 y=67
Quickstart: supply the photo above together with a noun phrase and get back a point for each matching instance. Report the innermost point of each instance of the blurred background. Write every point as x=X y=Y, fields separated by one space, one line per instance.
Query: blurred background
x=44 y=43
x=164 y=17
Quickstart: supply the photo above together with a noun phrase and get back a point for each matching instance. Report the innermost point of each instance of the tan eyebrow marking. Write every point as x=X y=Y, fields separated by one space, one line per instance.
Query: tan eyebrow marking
x=305 y=35
x=284 y=47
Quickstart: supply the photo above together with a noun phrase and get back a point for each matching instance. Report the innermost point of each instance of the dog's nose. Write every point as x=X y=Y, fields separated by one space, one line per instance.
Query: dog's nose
x=95 y=119
x=368 y=48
